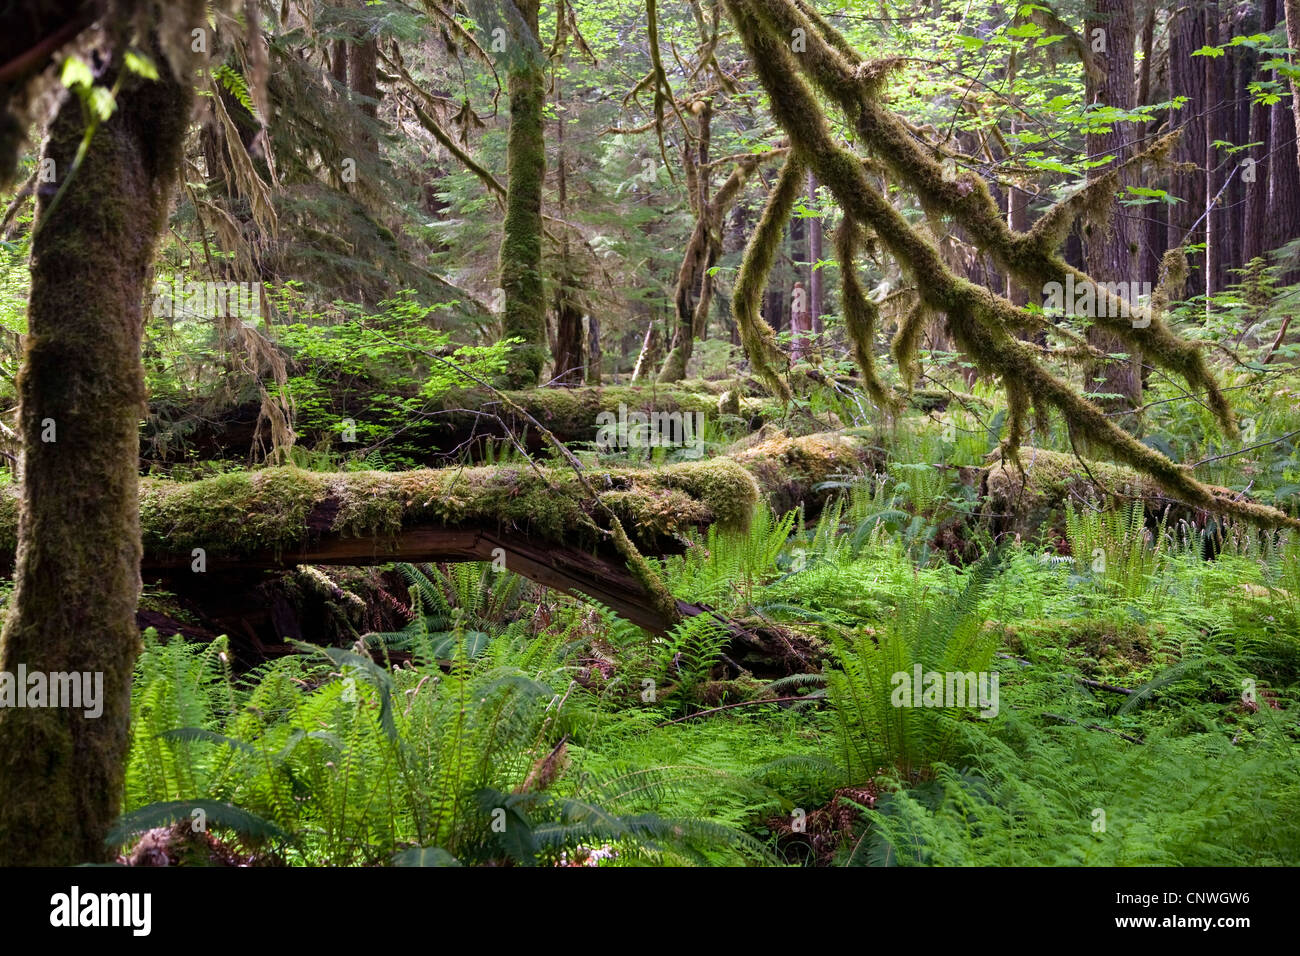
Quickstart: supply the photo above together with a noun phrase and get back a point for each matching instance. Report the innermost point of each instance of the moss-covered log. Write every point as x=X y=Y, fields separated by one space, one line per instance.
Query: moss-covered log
x=81 y=392
x=791 y=471
x=539 y=521
x=460 y=420
x=1026 y=502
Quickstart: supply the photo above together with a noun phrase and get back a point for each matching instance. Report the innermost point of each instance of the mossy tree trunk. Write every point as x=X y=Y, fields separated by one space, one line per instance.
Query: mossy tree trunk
x=81 y=394
x=521 y=241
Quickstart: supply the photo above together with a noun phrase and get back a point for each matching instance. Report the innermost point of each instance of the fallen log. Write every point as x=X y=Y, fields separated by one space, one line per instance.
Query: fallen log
x=1023 y=498
x=459 y=420
x=539 y=521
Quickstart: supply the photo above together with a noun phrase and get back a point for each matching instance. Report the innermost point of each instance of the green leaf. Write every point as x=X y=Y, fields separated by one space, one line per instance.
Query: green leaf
x=140 y=65
x=75 y=74
x=425 y=856
x=216 y=814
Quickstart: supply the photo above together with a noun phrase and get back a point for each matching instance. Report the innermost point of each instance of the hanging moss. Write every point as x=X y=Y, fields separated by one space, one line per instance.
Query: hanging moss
x=751 y=281
x=861 y=316
x=907 y=339
x=1031 y=258
x=980 y=322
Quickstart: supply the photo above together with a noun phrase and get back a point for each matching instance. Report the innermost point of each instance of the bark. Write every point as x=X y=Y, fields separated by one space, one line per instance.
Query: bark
x=1284 y=182
x=1292 y=12
x=1108 y=250
x=521 y=242
x=81 y=394
x=814 y=257
x=648 y=357
x=570 y=356
x=1187 y=78
x=1215 y=173
x=1254 y=229
x=594 y=354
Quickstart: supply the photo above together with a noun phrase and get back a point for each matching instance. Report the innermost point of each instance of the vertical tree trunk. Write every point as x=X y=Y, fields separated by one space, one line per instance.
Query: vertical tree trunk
x=1293 y=41
x=594 y=354
x=1283 y=220
x=81 y=394
x=570 y=356
x=1256 y=192
x=521 y=242
x=1108 y=252
x=814 y=257
x=1187 y=78
x=1214 y=173
x=691 y=275
x=648 y=358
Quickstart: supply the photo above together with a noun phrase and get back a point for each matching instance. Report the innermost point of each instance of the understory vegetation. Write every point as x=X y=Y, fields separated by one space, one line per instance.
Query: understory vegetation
x=1146 y=709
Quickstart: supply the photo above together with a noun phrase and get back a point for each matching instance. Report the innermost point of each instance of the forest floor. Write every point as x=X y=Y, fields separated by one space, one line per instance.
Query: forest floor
x=958 y=668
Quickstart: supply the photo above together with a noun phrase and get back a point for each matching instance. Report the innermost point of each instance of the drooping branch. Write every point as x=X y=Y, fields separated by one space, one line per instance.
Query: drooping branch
x=861 y=315
x=979 y=321
x=853 y=83
x=756 y=334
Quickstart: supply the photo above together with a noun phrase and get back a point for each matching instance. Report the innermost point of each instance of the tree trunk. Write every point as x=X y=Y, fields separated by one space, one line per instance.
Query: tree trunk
x=1293 y=41
x=521 y=242
x=1214 y=172
x=814 y=257
x=594 y=354
x=81 y=394
x=1187 y=78
x=1108 y=251
x=692 y=275
x=648 y=357
x=570 y=356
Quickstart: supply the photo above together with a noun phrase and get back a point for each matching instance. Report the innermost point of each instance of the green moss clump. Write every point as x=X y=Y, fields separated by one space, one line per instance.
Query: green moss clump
x=789 y=469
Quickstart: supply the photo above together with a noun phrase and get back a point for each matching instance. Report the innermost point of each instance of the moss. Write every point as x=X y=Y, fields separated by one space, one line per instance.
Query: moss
x=77 y=565
x=571 y=414
x=980 y=322
x=861 y=316
x=661 y=597
x=789 y=469
x=1102 y=648
x=1052 y=477
x=751 y=281
x=282 y=509
x=521 y=240
x=1023 y=504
